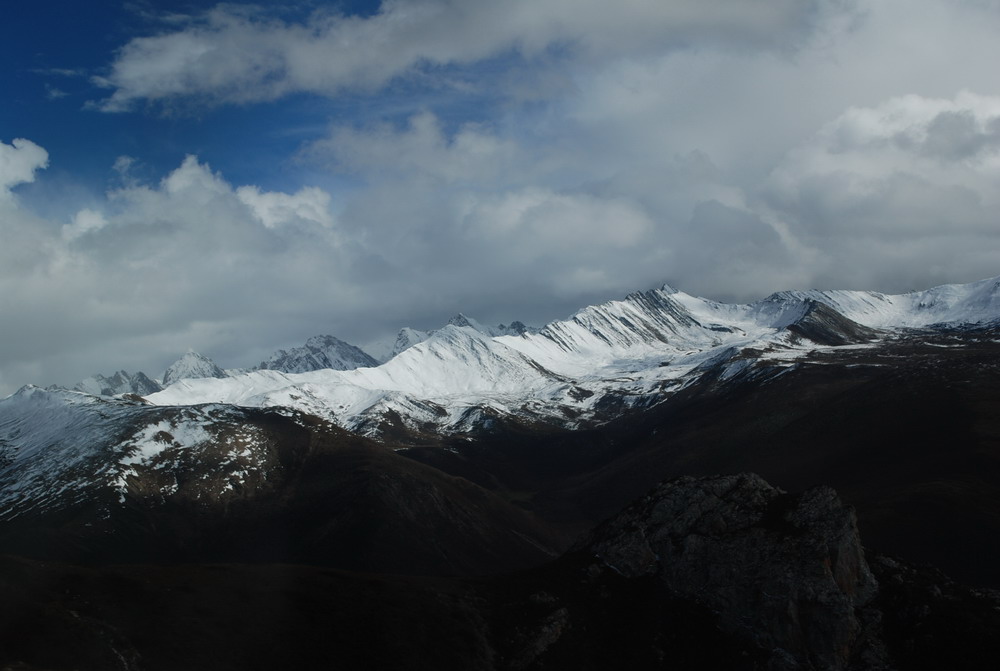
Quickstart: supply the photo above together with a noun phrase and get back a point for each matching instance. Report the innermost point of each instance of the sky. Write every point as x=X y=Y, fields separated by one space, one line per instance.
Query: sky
x=234 y=178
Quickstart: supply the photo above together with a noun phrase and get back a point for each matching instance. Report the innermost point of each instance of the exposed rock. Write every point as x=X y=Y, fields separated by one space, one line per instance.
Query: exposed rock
x=788 y=572
x=823 y=325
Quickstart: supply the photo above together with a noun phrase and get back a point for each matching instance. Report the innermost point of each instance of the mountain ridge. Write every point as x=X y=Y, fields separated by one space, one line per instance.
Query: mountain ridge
x=953 y=304
x=319 y=352
x=637 y=348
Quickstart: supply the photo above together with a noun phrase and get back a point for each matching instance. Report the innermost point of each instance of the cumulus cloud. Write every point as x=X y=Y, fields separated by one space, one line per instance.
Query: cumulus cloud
x=84 y=221
x=19 y=161
x=310 y=205
x=477 y=210
x=156 y=268
x=194 y=261
x=234 y=54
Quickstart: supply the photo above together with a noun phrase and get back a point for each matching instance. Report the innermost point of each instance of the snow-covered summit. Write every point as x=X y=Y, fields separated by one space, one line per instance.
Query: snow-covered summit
x=192 y=366
x=408 y=337
x=973 y=303
x=515 y=328
x=319 y=352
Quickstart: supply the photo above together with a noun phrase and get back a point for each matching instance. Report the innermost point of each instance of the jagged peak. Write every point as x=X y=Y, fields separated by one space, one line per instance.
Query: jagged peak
x=27 y=390
x=325 y=340
x=121 y=382
x=461 y=320
x=319 y=352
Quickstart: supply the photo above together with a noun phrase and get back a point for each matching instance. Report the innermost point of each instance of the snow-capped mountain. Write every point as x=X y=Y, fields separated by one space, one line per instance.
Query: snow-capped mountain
x=973 y=303
x=639 y=350
x=515 y=328
x=408 y=337
x=192 y=366
x=121 y=382
x=633 y=352
x=319 y=352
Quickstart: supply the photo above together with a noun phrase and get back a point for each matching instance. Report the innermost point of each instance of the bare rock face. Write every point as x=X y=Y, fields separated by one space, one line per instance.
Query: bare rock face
x=787 y=572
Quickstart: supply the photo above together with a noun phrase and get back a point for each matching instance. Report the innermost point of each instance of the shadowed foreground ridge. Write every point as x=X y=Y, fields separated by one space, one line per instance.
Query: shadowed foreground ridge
x=715 y=572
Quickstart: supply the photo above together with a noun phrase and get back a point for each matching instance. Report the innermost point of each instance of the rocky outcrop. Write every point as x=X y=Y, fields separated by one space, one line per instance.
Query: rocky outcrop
x=823 y=325
x=786 y=572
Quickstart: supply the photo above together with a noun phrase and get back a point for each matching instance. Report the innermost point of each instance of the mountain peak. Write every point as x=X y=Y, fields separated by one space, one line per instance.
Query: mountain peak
x=121 y=382
x=192 y=366
x=462 y=320
x=320 y=352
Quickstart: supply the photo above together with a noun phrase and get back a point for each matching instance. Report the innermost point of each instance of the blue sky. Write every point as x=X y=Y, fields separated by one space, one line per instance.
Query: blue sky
x=234 y=178
x=52 y=51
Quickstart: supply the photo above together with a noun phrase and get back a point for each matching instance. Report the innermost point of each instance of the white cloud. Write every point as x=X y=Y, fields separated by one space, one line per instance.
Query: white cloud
x=309 y=204
x=19 y=161
x=238 y=54
x=478 y=210
x=539 y=223
x=472 y=154
x=84 y=222
x=195 y=180
x=190 y=261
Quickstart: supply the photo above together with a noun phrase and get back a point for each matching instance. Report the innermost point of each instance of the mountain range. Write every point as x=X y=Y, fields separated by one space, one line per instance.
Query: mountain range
x=318 y=353
x=635 y=351
x=573 y=496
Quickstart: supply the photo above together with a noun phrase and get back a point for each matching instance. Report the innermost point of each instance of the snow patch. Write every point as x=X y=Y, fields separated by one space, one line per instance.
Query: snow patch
x=152 y=440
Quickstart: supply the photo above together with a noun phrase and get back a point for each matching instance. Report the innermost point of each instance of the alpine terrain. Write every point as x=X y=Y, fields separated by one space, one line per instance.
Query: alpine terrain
x=809 y=481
